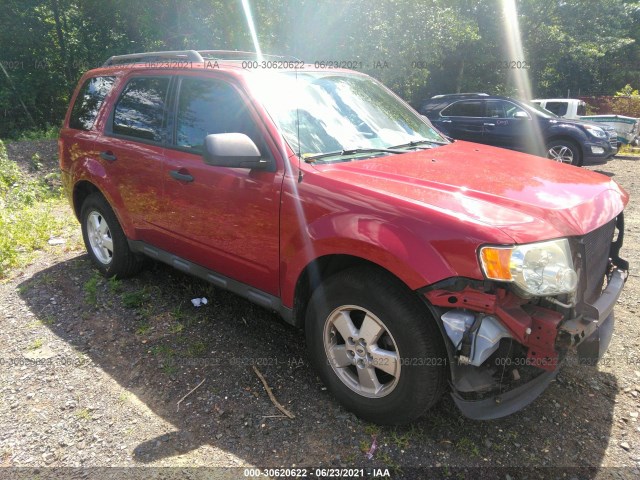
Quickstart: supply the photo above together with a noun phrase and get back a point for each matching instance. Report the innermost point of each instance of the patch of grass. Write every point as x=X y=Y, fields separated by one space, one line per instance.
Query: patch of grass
x=364 y=445
x=31 y=212
x=178 y=313
x=196 y=349
x=393 y=466
x=91 y=290
x=124 y=397
x=83 y=414
x=401 y=440
x=40 y=322
x=626 y=149
x=49 y=132
x=35 y=162
x=143 y=329
x=176 y=328
x=351 y=458
x=135 y=299
x=36 y=344
x=163 y=350
x=115 y=285
x=169 y=369
x=468 y=446
x=371 y=429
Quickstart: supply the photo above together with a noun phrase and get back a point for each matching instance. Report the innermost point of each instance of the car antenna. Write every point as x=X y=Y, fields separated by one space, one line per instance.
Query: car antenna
x=300 y=176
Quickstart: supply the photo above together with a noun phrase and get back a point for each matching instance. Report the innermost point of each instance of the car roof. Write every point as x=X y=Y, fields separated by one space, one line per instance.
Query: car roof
x=460 y=95
x=439 y=102
x=228 y=60
x=557 y=100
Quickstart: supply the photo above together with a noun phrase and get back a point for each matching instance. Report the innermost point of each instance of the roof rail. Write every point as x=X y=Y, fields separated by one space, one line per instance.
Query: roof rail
x=240 y=55
x=190 y=55
x=452 y=95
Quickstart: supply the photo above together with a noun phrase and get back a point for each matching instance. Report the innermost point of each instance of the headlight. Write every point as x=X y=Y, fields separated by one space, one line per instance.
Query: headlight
x=596 y=131
x=539 y=269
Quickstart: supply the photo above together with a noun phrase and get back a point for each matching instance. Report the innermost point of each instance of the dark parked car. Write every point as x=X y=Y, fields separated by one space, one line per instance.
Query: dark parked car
x=508 y=123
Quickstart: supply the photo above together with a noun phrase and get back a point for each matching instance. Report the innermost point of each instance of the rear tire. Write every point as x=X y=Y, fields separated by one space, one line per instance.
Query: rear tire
x=105 y=240
x=564 y=151
x=375 y=346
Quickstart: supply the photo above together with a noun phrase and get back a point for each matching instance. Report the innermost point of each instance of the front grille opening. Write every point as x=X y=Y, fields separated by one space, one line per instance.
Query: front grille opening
x=593 y=260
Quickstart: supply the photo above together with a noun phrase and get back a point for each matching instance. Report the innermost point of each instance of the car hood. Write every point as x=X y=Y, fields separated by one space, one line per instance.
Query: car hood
x=528 y=198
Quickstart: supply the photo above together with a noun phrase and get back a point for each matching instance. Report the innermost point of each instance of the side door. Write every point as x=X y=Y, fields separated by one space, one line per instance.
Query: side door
x=225 y=219
x=508 y=125
x=131 y=151
x=463 y=120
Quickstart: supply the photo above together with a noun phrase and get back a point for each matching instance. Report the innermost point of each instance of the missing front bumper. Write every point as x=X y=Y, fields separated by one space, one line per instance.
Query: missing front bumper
x=506 y=403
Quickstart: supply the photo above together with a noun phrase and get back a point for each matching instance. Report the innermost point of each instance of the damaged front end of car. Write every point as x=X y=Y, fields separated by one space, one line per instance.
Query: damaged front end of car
x=507 y=336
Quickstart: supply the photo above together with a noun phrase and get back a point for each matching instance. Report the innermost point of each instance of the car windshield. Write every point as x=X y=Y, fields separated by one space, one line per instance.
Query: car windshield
x=320 y=113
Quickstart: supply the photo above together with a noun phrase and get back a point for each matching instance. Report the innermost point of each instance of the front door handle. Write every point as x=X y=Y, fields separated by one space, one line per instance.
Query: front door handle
x=445 y=121
x=489 y=124
x=108 y=155
x=181 y=176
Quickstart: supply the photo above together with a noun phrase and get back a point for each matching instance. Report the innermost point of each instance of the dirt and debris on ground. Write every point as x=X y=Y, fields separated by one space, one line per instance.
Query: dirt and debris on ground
x=93 y=370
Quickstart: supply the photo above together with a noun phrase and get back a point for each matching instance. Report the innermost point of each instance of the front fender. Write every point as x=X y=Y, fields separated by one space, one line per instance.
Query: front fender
x=372 y=238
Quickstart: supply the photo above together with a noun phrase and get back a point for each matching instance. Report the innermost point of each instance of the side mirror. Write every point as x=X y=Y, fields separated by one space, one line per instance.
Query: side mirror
x=232 y=150
x=521 y=114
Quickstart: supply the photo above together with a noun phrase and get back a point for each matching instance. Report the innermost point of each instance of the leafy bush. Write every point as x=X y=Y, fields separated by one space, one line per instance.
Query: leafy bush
x=28 y=214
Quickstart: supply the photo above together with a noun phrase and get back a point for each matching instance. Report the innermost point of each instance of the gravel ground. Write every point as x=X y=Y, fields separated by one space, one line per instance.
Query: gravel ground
x=94 y=374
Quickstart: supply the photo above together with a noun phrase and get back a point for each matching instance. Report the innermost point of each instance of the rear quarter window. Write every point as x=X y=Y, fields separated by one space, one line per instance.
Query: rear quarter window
x=88 y=102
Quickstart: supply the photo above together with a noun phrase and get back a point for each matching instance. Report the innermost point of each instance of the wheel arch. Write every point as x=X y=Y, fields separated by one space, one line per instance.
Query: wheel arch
x=81 y=191
x=566 y=138
x=321 y=268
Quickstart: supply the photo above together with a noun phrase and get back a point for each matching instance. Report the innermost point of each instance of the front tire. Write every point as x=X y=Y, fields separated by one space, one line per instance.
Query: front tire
x=564 y=151
x=375 y=346
x=105 y=240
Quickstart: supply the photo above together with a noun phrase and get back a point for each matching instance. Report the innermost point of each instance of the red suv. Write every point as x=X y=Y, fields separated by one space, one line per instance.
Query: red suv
x=414 y=265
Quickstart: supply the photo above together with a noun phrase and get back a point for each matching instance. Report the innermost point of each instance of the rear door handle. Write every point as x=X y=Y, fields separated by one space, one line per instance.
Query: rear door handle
x=178 y=175
x=108 y=155
x=445 y=121
x=489 y=124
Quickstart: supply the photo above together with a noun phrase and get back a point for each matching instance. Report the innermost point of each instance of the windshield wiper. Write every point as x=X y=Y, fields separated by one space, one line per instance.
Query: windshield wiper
x=417 y=143
x=354 y=151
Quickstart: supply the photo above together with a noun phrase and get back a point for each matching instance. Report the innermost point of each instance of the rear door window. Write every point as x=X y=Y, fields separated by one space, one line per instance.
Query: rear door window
x=88 y=102
x=465 y=108
x=140 y=111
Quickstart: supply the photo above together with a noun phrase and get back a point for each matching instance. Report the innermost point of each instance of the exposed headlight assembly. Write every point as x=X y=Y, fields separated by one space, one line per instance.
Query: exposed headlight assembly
x=538 y=269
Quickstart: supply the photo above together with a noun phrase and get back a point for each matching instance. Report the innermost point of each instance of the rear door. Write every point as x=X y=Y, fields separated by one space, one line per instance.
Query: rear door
x=507 y=125
x=225 y=219
x=463 y=120
x=131 y=151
